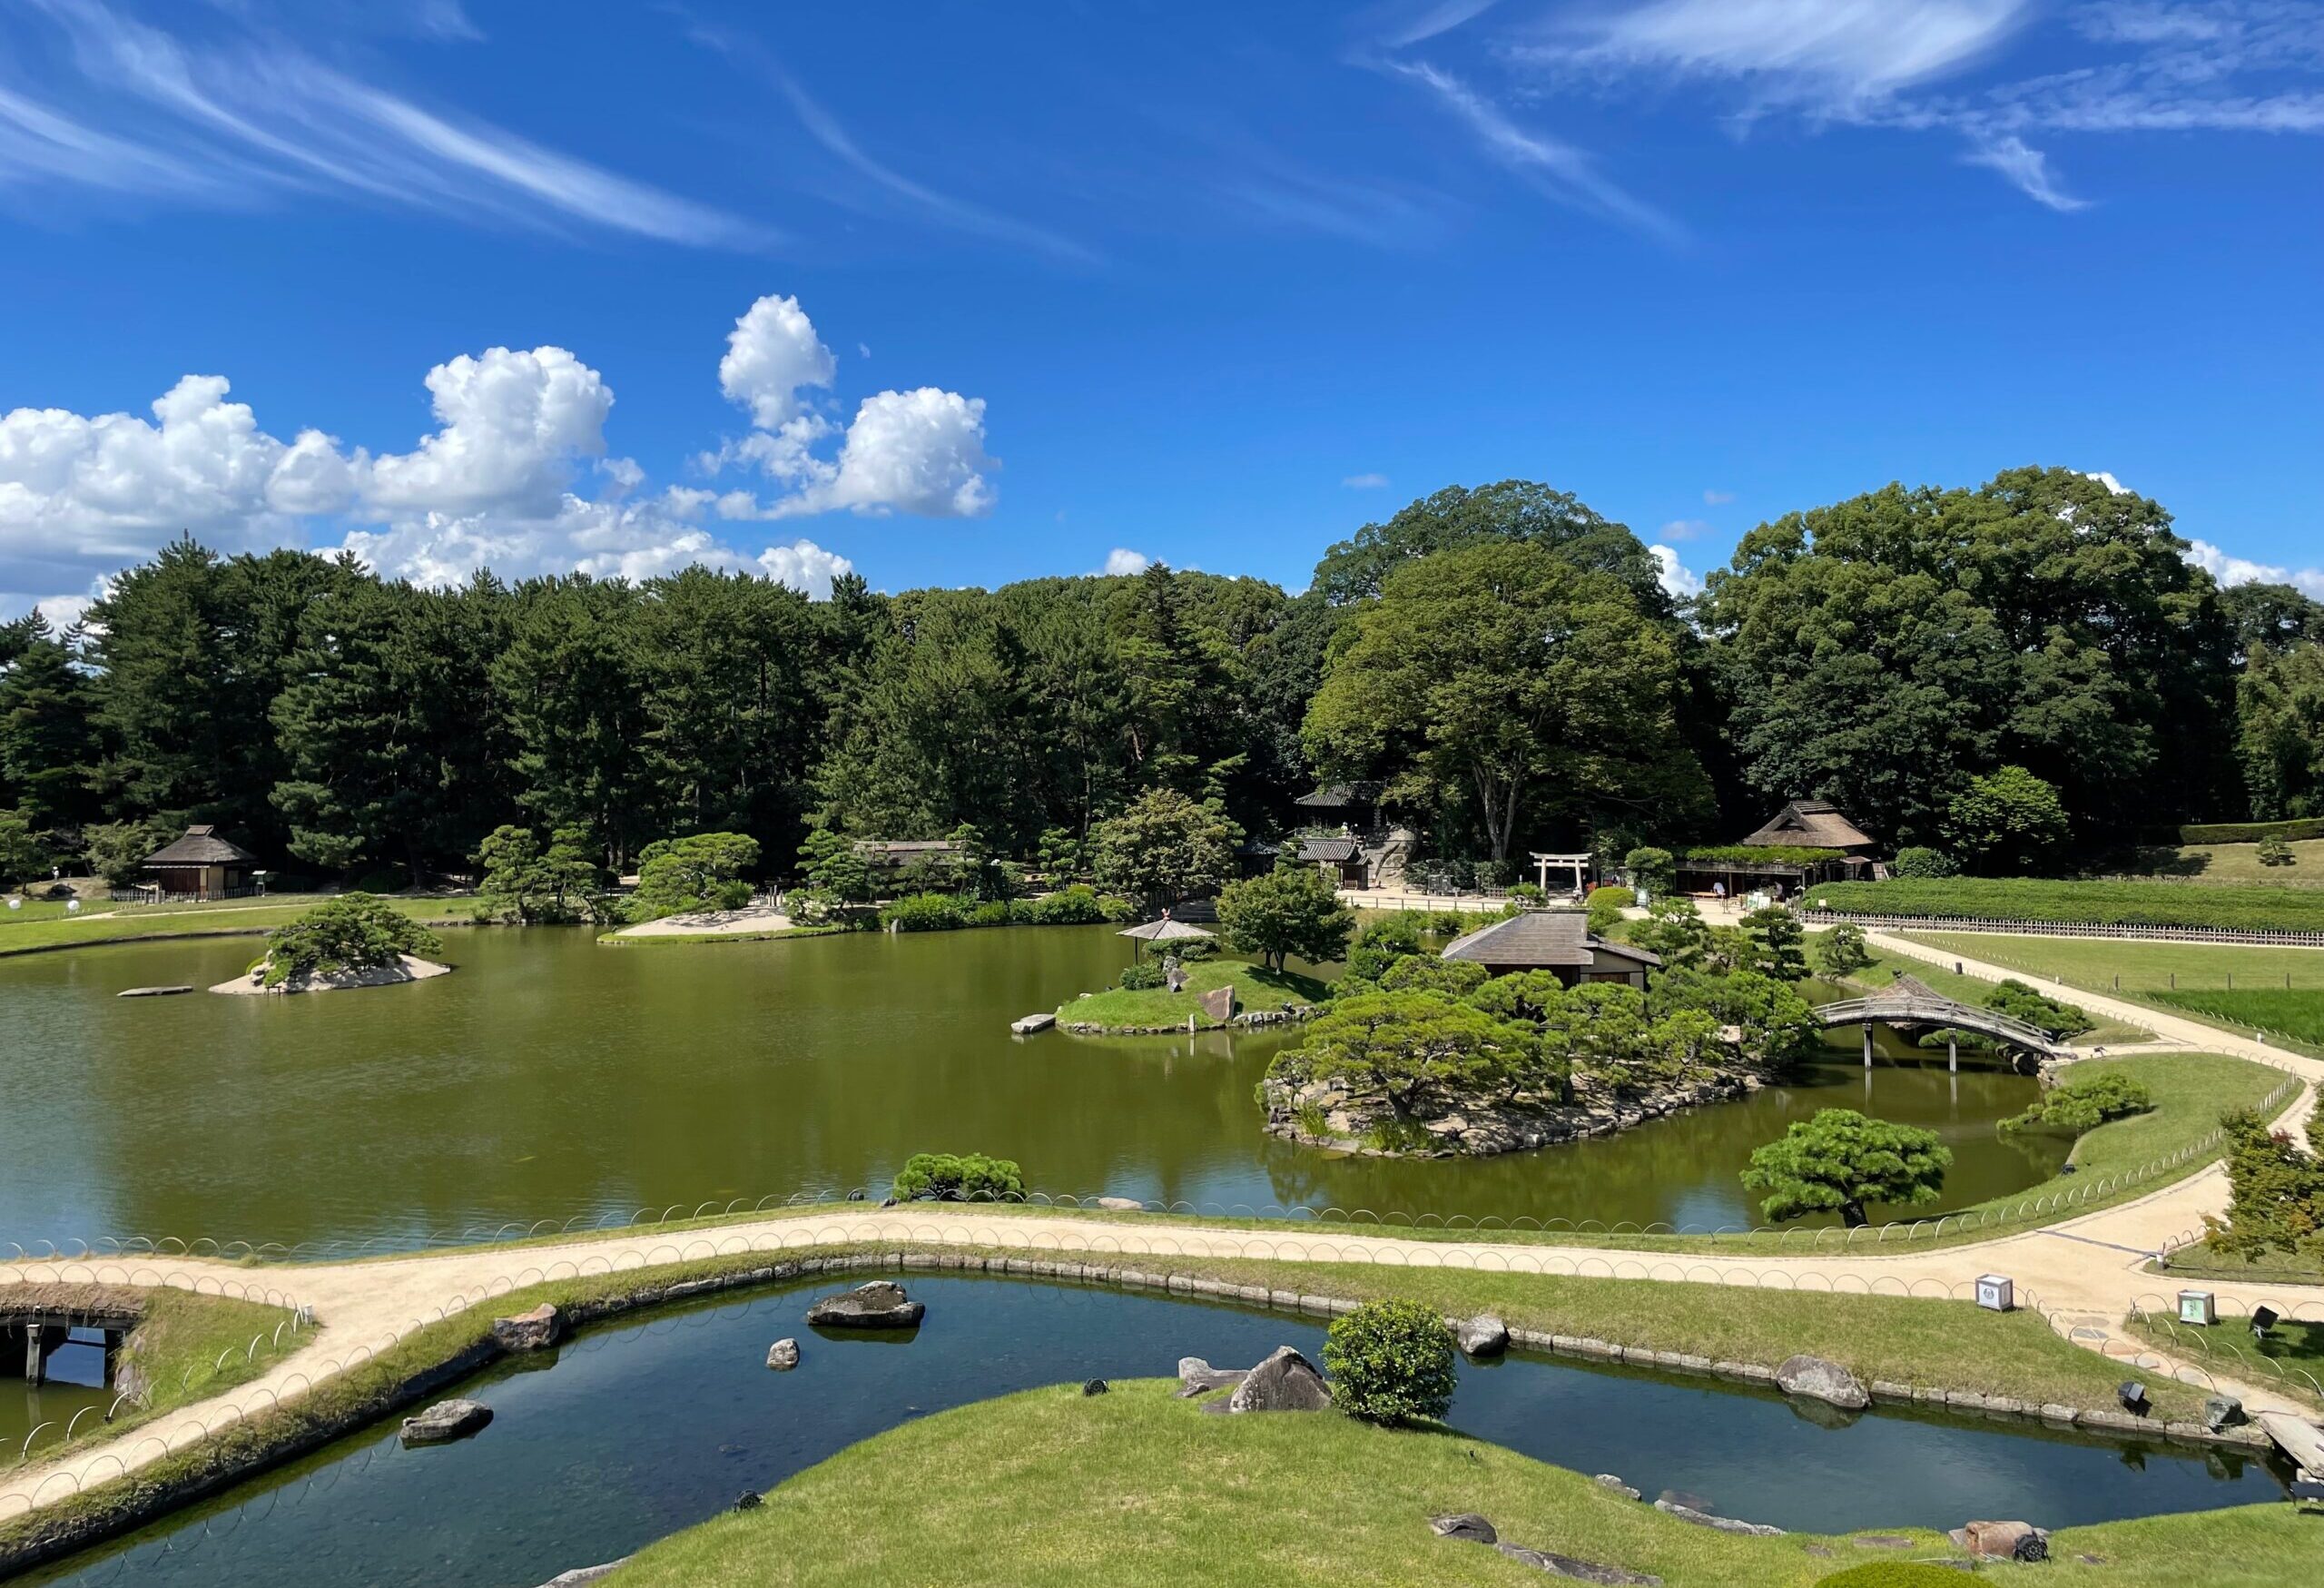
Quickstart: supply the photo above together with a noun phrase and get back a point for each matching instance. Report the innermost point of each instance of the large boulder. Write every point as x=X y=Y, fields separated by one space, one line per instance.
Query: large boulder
x=1820 y=1380
x=783 y=1355
x=1465 y=1526
x=2221 y=1410
x=528 y=1331
x=880 y=1305
x=445 y=1421
x=1196 y=1376
x=1285 y=1382
x=1482 y=1336
x=2003 y=1541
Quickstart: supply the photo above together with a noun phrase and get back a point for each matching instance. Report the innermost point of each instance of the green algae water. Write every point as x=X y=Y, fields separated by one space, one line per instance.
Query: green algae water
x=552 y=1078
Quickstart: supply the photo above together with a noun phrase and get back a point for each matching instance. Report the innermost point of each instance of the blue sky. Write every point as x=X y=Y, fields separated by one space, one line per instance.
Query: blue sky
x=953 y=292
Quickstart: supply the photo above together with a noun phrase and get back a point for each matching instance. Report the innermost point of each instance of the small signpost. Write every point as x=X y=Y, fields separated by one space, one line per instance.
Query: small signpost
x=2198 y=1307
x=1996 y=1292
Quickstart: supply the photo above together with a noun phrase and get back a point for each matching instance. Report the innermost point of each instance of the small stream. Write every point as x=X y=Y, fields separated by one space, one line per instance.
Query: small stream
x=631 y=1432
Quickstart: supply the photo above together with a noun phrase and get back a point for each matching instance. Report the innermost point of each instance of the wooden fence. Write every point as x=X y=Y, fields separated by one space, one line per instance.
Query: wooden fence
x=2256 y=936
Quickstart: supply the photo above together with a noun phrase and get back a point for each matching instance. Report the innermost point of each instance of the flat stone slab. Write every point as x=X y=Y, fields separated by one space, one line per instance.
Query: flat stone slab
x=528 y=1331
x=445 y=1421
x=1196 y=1376
x=880 y=1305
x=1723 y=1524
x=152 y=992
x=1031 y=1023
x=585 y=1574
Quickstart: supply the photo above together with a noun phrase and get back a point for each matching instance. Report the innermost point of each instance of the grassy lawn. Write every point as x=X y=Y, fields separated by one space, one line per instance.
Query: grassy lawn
x=230 y=917
x=2295 y=1016
x=2228 y=1347
x=1051 y=1488
x=2242 y=907
x=2148 y=972
x=1256 y=987
x=2199 y=1261
x=1886 y=968
x=2240 y=863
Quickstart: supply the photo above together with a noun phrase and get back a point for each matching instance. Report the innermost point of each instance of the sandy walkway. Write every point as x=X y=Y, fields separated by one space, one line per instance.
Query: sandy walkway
x=2084 y=1273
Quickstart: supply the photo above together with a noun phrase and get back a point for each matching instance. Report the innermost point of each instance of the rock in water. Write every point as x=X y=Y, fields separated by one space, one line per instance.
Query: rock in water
x=528 y=1331
x=880 y=1305
x=1482 y=1336
x=782 y=1355
x=1822 y=1381
x=1464 y=1524
x=1196 y=1376
x=1285 y=1382
x=446 y=1421
x=1121 y=1205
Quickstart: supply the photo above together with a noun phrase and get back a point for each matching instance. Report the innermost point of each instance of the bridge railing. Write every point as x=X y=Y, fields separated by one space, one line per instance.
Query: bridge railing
x=1936 y=1013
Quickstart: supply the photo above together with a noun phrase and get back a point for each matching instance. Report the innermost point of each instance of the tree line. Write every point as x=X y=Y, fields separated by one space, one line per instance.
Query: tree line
x=1505 y=662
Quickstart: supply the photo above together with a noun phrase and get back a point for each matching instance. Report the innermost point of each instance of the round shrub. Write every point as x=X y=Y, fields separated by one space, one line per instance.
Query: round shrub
x=1607 y=904
x=924 y=912
x=2085 y=1103
x=353 y=931
x=967 y=1177
x=1143 y=976
x=1391 y=1362
x=1919 y=861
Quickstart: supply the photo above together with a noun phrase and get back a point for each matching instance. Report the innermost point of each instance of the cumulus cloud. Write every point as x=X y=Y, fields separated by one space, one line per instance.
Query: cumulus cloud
x=1122 y=560
x=497 y=483
x=1676 y=577
x=920 y=452
x=2231 y=569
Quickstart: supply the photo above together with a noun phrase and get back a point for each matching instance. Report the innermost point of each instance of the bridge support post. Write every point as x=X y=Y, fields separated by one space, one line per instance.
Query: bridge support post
x=1953 y=1055
x=1867 y=1044
x=34 y=1356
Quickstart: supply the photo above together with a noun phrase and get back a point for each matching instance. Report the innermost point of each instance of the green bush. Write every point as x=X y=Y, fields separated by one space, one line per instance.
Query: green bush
x=1918 y=860
x=1841 y=951
x=1142 y=976
x=990 y=912
x=1652 y=869
x=2242 y=908
x=924 y=912
x=1117 y=910
x=968 y=1177
x=1192 y=950
x=1743 y=853
x=1077 y=905
x=1391 y=1362
x=2253 y=832
x=2083 y=1103
x=703 y=871
x=1606 y=907
x=353 y=931
x=1528 y=893
x=2275 y=852
x=2020 y=1002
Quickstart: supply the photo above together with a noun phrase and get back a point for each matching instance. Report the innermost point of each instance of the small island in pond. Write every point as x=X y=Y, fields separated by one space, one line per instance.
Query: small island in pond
x=355 y=940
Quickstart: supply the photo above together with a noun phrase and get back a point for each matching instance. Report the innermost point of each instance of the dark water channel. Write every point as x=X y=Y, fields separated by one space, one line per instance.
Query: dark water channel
x=552 y=1078
x=633 y=1432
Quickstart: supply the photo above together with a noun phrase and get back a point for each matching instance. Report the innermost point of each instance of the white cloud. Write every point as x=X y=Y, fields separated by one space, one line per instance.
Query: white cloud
x=248 y=116
x=1674 y=576
x=804 y=565
x=512 y=424
x=1122 y=560
x=1718 y=499
x=1682 y=529
x=2107 y=479
x=2027 y=170
x=2229 y=570
x=772 y=355
x=1365 y=482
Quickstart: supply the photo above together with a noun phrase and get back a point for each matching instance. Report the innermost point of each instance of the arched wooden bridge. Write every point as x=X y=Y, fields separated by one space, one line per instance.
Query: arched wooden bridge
x=1908 y=1001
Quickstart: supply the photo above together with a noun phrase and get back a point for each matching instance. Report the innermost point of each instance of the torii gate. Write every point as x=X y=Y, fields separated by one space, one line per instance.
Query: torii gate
x=1577 y=864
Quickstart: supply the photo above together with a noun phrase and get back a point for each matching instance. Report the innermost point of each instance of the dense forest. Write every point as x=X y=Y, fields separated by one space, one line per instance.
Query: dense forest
x=1504 y=661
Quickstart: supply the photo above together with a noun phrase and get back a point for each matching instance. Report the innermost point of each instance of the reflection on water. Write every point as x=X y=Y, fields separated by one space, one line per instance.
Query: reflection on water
x=552 y=1078
x=633 y=1432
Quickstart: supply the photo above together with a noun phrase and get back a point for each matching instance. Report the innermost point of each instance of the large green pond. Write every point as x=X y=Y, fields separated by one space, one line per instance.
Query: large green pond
x=554 y=1078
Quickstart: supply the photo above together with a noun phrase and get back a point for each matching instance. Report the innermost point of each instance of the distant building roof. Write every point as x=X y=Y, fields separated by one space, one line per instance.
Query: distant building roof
x=1329 y=849
x=1812 y=824
x=201 y=846
x=1540 y=938
x=903 y=848
x=1339 y=797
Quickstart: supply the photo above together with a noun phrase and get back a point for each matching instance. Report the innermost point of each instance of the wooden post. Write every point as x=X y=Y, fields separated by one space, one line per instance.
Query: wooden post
x=1867 y=1044
x=1953 y=1055
x=33 y=1363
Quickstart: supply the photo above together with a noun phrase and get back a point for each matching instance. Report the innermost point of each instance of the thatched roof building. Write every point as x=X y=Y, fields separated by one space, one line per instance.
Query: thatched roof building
x=1557 y=941
x=1812 y=824
x=200 y=865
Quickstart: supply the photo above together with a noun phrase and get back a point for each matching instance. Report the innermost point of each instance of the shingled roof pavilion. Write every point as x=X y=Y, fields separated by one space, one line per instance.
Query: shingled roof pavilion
x=1812 y=824
x=1558 y=942
x=200 y=865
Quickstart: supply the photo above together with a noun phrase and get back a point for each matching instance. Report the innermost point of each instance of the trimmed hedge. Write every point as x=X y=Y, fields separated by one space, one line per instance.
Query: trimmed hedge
x=2119 y=903
x=2253 y=832
x=1744 y=853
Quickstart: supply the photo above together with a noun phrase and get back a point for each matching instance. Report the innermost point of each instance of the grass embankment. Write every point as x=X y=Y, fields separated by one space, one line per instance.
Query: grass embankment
x=185 y=1348
x=2228 y=1347
x=225 y=918
x=2240 y=863
x=1052 y=1487
x=1947 y=1344
x=1970 y=990
x=1256 y=990
x=2199 y=1261
x=2121 y=904
x=2187 y=978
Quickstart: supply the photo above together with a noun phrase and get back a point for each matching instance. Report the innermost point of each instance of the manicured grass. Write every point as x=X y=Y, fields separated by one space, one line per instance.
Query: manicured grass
x=2199 y=1261
x=1256 y=987
x=226 y=918
x=1135 y=1487
x=2240 y=863
x=2229 y=1348
x=2297 y=1015
x=2133 y=903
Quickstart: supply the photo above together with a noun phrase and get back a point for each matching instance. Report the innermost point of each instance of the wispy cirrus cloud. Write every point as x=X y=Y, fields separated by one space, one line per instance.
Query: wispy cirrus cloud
x=231 y=119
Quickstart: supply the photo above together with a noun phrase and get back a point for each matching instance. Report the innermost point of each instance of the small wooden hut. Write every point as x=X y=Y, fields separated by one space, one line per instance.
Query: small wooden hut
x=200 y=865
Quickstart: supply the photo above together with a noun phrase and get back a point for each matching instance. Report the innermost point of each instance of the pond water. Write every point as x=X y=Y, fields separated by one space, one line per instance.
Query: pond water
x=75 y=1383
x=631 y=1432
x=552 y=1078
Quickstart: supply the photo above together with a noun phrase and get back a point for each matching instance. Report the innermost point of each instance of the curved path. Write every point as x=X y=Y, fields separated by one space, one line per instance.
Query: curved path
x=2085 y=1272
